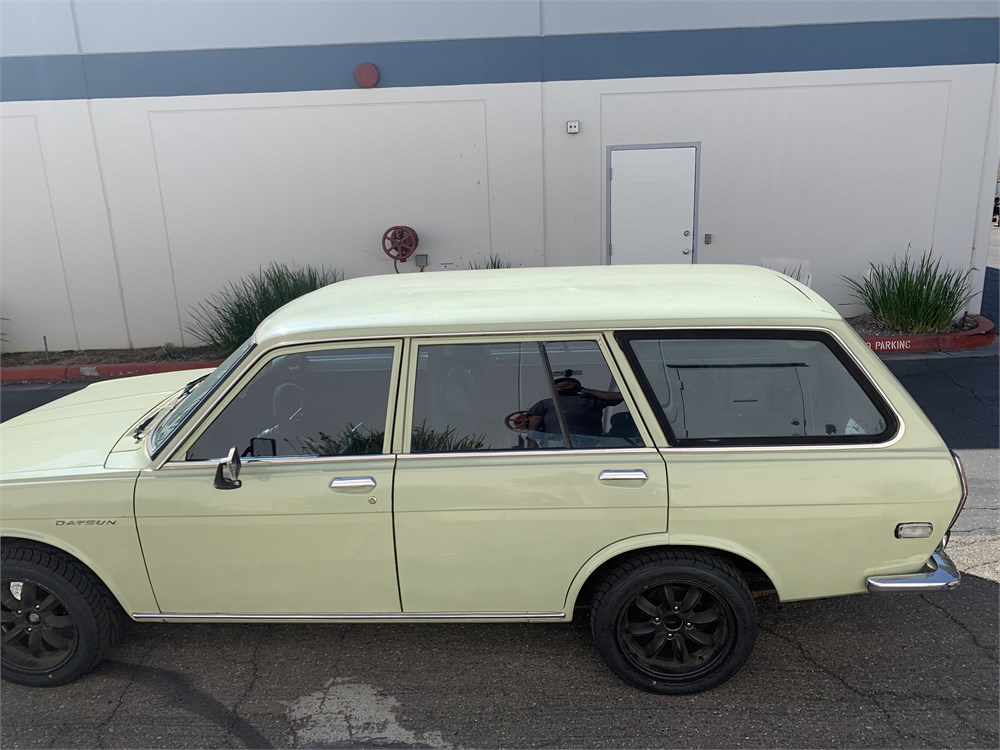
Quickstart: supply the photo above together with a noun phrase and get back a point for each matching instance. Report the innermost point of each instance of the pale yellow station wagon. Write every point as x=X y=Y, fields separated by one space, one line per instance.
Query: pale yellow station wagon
x=658 y=445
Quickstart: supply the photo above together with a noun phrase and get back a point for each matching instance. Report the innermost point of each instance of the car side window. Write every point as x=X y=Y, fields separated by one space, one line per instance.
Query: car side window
x=517 y=396
x=778 y=388
x=320 y=403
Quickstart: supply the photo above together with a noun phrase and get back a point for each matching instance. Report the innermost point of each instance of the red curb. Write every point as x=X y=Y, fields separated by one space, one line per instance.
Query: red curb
x=981 y=335
x=78 y=373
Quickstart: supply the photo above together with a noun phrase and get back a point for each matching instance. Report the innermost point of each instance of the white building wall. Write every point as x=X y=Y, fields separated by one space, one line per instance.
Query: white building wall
x=828 y=169
x=202 y=190
x=57 y=265
x=117 y=215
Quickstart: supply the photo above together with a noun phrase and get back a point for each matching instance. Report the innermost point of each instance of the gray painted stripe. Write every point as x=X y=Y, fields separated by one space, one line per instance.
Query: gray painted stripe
x=772 y=50
x=40 y=78
x=509 y=60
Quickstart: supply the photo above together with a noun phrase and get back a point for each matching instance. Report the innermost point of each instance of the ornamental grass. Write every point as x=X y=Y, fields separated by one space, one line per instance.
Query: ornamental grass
x=914 y=295
x=229 y=317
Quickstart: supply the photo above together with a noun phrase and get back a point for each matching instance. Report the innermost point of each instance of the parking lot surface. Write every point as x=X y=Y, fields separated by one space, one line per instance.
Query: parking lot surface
x=906 y=671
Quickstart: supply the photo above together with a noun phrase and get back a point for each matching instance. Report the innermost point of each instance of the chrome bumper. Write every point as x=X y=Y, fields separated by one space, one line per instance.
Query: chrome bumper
x=938 y=574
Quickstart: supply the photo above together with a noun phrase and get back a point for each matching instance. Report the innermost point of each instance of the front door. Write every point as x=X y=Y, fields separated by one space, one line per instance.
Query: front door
x=651 y=214
x=525 y=458
x=310 y=529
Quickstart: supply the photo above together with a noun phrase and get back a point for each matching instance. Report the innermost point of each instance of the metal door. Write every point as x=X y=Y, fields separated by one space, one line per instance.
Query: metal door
x=652 y=202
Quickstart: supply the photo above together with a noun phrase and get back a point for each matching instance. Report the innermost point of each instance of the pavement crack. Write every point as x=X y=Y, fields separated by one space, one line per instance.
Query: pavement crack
x=971 y=391
x=978 y=528
x=55 y=738
x=848 y=686
x=102 y=727
x=254 y=674
x=966 y=543
x=990 y=653
x=981 y=565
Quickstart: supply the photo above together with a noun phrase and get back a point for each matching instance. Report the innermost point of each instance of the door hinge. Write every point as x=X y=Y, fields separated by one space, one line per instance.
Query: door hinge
x=609 y=248
x=610 y=172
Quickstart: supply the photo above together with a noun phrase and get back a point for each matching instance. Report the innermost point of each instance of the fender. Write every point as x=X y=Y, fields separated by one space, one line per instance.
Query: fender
x=119 y=565
x=646 y=541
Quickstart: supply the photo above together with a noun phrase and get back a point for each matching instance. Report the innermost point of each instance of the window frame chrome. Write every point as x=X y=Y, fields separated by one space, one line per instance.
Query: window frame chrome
x=834 y=343
x=401 y=403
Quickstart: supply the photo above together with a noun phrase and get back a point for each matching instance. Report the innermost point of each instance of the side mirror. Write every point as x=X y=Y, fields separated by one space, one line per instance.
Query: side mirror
x=230 y=465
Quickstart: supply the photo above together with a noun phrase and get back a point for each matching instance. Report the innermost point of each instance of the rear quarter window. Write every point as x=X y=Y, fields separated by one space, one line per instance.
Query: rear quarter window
x=757 y=388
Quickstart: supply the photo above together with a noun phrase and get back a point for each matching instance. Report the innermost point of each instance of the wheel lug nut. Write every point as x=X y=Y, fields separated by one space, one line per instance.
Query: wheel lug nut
x=670 y=635
x=677 y=609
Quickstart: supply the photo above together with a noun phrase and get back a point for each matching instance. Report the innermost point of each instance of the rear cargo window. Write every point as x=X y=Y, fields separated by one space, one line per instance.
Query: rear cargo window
x=752 y=388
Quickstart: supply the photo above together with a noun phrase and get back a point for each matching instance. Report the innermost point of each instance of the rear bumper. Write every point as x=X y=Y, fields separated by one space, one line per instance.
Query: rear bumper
x=939 y=573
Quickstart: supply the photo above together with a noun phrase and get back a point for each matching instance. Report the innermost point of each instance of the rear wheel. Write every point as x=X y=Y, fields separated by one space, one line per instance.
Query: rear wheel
x=56 y=620
x=674 y=621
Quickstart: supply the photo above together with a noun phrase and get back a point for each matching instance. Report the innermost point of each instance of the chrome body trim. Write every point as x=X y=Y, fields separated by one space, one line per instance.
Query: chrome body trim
x=939 y=573
x=277 y=461
x=623 y=476
x=356 y=617
x=547 y=452
x=344 y=483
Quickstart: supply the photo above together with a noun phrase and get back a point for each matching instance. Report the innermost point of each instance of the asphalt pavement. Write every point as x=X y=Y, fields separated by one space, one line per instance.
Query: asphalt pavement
x=866 y=671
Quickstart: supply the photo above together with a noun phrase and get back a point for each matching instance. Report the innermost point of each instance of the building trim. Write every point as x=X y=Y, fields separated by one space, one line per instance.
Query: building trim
x=889 y=44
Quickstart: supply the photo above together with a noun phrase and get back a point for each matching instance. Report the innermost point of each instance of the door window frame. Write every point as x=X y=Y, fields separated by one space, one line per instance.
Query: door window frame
x=696 y=145
x=203 y=419
x=405 y=421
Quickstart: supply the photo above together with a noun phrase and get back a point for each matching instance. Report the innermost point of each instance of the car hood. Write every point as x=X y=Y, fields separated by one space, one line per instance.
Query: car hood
x=79 y=430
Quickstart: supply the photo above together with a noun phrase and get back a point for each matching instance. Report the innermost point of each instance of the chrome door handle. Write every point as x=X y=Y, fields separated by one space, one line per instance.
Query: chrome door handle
x=623 y=476
x=352 y=483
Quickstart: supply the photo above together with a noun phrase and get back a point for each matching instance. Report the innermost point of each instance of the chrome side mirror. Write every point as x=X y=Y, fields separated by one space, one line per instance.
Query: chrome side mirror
x=230 y=465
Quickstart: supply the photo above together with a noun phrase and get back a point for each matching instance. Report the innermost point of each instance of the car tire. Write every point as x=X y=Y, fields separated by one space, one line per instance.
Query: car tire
x=674 y=621
x=58 y=620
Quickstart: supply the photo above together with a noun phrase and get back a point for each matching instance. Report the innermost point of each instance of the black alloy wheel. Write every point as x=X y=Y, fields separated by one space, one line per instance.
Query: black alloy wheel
x=674 y=621
x=38 y=634
x=57 y=620
x=675 y=631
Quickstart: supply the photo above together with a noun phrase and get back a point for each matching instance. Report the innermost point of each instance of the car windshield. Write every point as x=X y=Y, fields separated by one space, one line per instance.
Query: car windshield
x=191 y=397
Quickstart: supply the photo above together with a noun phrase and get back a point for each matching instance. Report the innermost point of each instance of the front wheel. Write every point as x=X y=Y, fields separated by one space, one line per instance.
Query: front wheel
x=674 y=621
x=56 y=621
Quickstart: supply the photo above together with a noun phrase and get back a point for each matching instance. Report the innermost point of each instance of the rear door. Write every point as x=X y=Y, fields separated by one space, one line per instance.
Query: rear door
x=501 y=496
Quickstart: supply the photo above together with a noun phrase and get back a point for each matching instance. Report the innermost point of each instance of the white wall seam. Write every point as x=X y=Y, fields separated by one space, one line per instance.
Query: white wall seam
x=984 y=209
x=58 y=235
x=104 y=191
x=166 y=227
x=940 y=172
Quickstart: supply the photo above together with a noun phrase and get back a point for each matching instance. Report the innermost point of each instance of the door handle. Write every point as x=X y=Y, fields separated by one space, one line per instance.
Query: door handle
x=623 y=476
x=352 y=483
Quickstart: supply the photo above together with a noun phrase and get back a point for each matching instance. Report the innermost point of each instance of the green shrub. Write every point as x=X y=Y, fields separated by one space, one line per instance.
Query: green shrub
x=494 y=261
x=428 y=440
x=229 y=317
x=914 y=296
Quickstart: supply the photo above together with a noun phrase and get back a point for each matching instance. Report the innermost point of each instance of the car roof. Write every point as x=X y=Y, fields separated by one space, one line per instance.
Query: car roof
x=536 y=299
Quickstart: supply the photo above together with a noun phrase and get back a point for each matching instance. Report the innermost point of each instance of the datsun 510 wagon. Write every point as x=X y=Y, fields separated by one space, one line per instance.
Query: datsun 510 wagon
x=652 y=447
